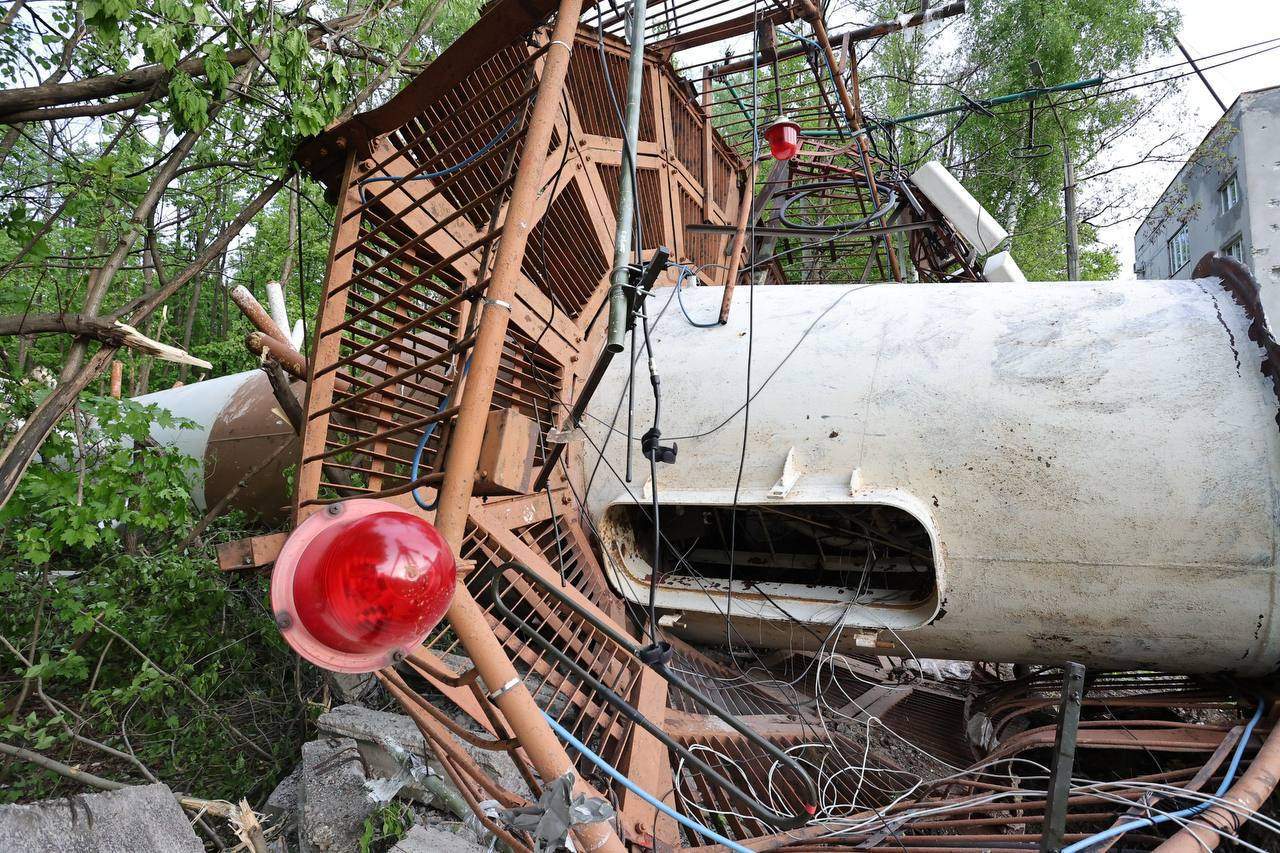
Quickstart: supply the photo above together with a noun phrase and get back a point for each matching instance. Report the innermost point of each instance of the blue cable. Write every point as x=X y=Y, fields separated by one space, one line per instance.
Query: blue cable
x=444 y=404
x=422 y=446
x=685 y=272
x=1190 y=811
x=613 y=773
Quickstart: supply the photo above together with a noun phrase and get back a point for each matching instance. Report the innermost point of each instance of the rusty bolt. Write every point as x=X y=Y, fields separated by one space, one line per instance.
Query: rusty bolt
x=397 y=657
x=341 y=142
x=324 y=152
x=248 y=560
x=284 y=621
x=334 y=509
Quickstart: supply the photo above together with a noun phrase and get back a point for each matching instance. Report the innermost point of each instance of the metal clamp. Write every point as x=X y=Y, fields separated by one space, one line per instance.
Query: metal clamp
x=495 y=695
x=498 y=302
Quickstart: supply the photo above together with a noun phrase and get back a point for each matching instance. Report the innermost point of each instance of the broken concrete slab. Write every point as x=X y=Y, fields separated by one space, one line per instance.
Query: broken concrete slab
x=332 y=800
x=375 y=729
x=282 y=805
x=435 y=839
x=136 y=819
x=351 y=687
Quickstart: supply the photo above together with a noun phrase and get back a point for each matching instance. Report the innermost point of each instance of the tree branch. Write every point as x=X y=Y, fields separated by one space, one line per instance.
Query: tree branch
x=134 y=80
x=61 y=769
x=84 y=110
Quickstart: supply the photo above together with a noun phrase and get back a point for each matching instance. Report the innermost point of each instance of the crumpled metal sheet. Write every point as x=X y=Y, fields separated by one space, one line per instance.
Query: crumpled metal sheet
x=556 y=813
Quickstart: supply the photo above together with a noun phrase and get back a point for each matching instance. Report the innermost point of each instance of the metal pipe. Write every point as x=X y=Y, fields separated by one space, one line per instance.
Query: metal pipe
x=1205 y=831
x=968 y=105
x=1203 y=79
x=622 y=236
x=853 y=112
x=276 y=305
x=739 y=237
x=861 y=34
x=266 y=346
x=257 y=315
x=465 y=616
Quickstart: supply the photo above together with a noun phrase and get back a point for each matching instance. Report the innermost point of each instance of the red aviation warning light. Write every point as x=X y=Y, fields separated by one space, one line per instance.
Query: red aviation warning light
x=360 y=585
x=783 y=137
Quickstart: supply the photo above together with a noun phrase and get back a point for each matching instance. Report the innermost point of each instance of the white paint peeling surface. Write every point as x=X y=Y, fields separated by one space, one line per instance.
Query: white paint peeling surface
x=1096 y=462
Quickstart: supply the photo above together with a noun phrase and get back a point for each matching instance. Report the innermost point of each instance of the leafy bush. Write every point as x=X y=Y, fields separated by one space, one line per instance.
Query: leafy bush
x=385 y=827
x=124 y=653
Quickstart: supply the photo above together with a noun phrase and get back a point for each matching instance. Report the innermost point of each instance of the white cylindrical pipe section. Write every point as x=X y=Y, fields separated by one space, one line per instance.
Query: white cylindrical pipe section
x=276 y=306
x=237 y=423
x=1096 y=463
x=960 y=208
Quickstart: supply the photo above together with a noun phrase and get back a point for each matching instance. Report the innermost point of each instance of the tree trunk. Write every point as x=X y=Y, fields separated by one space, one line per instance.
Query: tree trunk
x=194 y=303
x=22 y=448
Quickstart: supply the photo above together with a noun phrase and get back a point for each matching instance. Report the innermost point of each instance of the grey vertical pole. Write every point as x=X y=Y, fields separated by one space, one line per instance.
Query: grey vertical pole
x=626 y=182
x=1064 y=757
x=1069 y=209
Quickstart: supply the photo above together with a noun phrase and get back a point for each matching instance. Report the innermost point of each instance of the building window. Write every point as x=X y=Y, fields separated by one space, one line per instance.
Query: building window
x=1235 y=248
x=1179 y=250
x=1228 y=194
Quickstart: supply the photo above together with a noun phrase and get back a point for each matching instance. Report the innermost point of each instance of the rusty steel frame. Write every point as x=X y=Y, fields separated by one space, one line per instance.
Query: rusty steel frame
x=467 y=273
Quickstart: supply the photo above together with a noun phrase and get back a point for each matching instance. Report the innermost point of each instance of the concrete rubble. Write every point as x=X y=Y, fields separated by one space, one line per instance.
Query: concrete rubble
x=364 y=759
x=332 y=801
x=141 y=819
x=434 y=839
x=376 y=730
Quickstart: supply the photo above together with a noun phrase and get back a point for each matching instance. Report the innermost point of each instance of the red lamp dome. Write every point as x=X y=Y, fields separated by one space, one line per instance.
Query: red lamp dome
x=783 y=137
x=361 y=584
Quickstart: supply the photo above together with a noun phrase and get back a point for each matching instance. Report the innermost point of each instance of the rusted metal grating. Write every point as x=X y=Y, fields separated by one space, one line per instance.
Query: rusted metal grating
x=556 y=690
x=724 y=179
x=728 y=687
x=933 y=721
x=564 y=258
x=686 y=127
x=701 y=249
x=589 y=90
x=649 y=191
x=555 y=540
x=483 y=110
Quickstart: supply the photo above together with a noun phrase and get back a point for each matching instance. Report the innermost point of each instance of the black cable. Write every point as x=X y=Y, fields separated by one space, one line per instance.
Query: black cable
x=491 y=576
x=653 y=453
x=801 y=191
x=751 y=301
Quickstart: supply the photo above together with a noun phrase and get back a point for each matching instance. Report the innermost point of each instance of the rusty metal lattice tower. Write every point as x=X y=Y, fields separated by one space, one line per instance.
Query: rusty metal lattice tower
x=469 y=265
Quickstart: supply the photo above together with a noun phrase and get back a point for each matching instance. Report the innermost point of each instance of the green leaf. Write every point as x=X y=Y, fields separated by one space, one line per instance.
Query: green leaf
x=189 y=105
x=160 y=44
x=217 y=70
